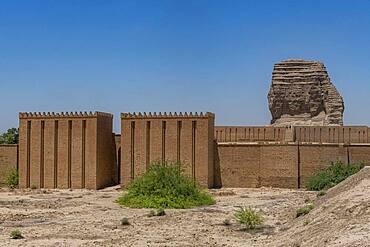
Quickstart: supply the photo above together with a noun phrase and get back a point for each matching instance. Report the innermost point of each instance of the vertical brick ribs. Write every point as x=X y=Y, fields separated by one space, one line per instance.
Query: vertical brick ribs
x=188 y=137
x=66 y=150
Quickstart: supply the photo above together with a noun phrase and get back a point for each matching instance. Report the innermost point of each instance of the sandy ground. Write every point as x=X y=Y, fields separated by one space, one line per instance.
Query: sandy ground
x=92 y=218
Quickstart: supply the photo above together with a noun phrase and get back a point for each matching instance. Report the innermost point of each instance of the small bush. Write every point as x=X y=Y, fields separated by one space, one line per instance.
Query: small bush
x=151 y=213
x=303 y=211
x=226 y=222
x=331 y=176
x=164 y=185
x=249 y=217
x=321 y=193
x=306 y=222
x=12 y=179
x=16 y=234
x=160 y=212
x=125 y=222
x=33 y=187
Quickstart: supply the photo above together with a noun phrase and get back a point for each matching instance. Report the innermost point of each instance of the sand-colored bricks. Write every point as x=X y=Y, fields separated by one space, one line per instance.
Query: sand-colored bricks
x=187 y=137
x=66 y=150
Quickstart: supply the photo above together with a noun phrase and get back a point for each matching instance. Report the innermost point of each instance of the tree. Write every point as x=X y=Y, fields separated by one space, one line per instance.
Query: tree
x=10 y=137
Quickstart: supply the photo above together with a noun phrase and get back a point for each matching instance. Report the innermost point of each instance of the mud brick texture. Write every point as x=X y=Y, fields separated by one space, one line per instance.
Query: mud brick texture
x=66 y=150
x=8 y=161
x=188 y=138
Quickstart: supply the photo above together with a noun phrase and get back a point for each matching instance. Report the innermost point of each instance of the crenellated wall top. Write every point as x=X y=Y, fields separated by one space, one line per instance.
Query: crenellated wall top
x=85 y=114
x=167 y=115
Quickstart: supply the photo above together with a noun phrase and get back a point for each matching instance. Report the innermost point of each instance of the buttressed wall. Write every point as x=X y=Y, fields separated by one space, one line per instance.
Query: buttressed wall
x=67 y=150
x=188 y=138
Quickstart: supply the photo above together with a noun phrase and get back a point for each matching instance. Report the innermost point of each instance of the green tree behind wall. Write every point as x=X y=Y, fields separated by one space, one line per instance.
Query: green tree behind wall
x=10 y=137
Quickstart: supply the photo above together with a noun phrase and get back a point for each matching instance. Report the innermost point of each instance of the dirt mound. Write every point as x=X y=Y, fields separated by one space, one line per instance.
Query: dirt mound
x=340 y=218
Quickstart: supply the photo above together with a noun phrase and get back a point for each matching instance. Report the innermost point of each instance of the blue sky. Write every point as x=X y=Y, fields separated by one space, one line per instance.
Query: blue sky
x=173 y=55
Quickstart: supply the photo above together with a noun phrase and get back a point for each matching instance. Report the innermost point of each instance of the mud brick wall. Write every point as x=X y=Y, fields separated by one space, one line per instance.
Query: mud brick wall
x=255 y=165
x=252 y=134
x=67 y=150
x=315 y=157
x=359 y=153
x=188 y=138
x=8 y=160
x=333 y=134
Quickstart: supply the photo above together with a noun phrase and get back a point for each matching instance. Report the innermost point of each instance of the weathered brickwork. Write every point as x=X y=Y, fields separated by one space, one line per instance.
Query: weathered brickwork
x=8 y=160
x=256 y=165
x=67 y=150
x=281 y=165
x=188 y=138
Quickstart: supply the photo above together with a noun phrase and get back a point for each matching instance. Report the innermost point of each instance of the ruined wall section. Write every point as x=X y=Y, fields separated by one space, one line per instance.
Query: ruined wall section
x=188 y=138
x=8 y=160
x=65 y=150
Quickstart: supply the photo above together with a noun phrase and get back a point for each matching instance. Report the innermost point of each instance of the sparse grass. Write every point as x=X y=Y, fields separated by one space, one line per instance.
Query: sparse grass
x=321 y=193
x=158 y=212
x=125 y=222
x=306 y=222
x=332 y=175
x=164 y=185
x=151 y=213
x=12 y=179
x=226 y=222
x=304 y=210
x=16 y=234
x=249 y=218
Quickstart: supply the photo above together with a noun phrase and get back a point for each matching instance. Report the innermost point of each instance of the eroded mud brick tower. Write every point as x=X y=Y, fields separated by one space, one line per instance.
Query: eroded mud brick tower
x=67 y=150
x=188 y=138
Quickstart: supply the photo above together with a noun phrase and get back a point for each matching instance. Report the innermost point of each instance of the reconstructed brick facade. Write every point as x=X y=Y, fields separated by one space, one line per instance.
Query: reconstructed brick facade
x=252 y=134
x=286 y=165
x=332 y=134
x=67 y=150
x=8 y=160
x=79 y=150
x=188 y=138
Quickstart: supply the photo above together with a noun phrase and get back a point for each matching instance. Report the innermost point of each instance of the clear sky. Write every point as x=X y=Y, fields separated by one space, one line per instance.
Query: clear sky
x=173 y=55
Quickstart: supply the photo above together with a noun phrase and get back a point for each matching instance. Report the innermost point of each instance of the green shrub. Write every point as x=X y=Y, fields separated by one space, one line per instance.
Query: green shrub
x=12 y=179
x=321 y=193
x=303 y=211
x=226 y=222
x=249 y=217
x=164 y=185
x=33 y=187
x=16 y=234
x=125 y=222
x=331 y=176
x=160 y=212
